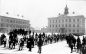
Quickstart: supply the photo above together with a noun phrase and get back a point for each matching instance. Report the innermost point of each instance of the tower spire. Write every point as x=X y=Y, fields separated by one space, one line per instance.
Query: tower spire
x=66 y=10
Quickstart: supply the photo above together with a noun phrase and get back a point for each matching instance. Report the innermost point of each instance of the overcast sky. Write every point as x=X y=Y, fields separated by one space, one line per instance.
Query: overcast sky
x=38 y=11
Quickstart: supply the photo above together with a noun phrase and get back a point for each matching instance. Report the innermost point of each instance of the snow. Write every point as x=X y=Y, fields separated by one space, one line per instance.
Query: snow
x=60 y=47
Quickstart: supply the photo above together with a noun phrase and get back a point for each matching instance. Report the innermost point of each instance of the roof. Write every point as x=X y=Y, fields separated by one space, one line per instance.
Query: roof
x=13 y=18
x=68 y=16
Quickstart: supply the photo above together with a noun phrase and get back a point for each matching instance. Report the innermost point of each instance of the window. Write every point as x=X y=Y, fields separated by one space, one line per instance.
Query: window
x=69 y=25
x=77 y=20
x=66 y=31
x=73 y=25
x=73 y=30
x=50 y=25
x=56 y=25
x=53 y=21
x=59 y=30
x=77 y=25
x=50 y=21
x=56 y=30
x=62 y=20
x=65 y=25
x=59 y=25
x=1 y=19
x=50 y=29
x=62 y=25
x=56 y=21
x=6 y=25
x=73 y=20
x=77 y=30
x=69 y=20
x=69 y=30
x=2 y=25
x=53 y=25
x=66 y=20
x=10 y=21
x=59 y=21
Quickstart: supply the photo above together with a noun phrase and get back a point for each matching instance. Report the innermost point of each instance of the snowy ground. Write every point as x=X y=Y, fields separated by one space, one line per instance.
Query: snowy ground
x=55 y=48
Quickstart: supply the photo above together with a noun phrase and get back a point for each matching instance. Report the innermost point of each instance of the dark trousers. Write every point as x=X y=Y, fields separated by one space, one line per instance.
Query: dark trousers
x=39 y=49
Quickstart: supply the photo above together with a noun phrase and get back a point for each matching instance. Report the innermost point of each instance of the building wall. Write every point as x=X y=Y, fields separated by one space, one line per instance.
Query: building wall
x=9 y=23
x=67 y=24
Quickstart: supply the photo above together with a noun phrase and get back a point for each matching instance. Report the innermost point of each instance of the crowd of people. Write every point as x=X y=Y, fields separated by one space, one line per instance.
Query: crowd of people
x=41 y=40
x=76 y=44
x=28 y=40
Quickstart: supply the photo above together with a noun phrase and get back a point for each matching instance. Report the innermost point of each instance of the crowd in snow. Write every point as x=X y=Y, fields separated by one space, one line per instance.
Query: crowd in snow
x=77 y=44
x=41 y=40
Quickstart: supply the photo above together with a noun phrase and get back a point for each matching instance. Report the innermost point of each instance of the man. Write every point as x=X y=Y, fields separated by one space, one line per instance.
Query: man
x=29 y=43
x=40 y=43
x=78 y=44
x=4 y=41
x=21 y=44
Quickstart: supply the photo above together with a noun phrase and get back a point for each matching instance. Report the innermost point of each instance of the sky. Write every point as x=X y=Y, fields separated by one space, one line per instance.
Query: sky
x=38 y=11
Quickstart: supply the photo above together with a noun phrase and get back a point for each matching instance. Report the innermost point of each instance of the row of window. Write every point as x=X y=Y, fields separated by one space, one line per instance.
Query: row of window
x=13 y=26
x=13 y=21
x=65 y=25
x=66 y=30
x=66 y=20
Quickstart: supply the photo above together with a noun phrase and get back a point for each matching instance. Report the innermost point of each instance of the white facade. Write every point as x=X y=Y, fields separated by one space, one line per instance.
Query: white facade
x=9 y=23
x=66 y=24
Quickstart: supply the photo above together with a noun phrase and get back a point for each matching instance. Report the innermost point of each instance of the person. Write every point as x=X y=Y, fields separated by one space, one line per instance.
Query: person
x=0 y=40
x=83 y=50
x=71 y=46
x=4 y=41
x=29 y=43
x=83 y=41
x=40 y=43
x=21 y=44
x=78 y=44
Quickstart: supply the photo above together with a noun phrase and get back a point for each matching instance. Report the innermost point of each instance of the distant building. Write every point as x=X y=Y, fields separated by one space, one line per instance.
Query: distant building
x=8 y=23
x=44 y=29
x=66 y=24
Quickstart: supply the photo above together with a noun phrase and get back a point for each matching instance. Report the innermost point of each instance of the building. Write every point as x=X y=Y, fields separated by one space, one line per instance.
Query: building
x=67 y=24
x=44 y=29
x=9 y=23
